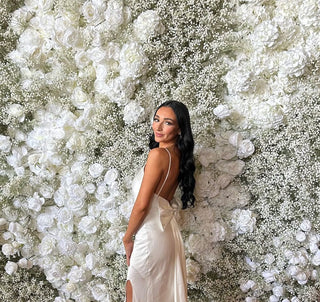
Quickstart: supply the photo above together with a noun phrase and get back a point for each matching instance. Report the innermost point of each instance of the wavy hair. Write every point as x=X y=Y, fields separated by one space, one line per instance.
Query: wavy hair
x=185 y=144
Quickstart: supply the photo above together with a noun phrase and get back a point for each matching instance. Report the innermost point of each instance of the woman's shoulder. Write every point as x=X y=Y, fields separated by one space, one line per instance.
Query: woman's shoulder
x=157 y=156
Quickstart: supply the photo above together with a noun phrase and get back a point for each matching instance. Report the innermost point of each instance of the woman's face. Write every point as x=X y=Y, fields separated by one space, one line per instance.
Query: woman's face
x=165 y=127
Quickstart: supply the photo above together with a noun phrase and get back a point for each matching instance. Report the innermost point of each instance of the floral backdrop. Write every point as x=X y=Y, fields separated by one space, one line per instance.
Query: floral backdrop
x=80 y=81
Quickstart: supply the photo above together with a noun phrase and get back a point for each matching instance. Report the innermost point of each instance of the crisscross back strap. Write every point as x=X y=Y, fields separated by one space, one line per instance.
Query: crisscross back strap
x=167 y=172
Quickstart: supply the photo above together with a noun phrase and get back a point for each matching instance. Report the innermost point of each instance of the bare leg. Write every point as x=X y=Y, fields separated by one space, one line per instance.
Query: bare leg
x=128 y=291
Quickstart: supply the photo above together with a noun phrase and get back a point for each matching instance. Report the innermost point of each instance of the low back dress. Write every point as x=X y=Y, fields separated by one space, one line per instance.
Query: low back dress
x=157 y=270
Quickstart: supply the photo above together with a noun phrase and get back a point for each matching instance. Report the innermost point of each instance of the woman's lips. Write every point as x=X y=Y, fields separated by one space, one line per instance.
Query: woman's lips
x=158 y=134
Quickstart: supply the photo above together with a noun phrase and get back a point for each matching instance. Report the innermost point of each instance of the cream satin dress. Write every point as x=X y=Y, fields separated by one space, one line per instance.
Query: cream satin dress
x=157 y=270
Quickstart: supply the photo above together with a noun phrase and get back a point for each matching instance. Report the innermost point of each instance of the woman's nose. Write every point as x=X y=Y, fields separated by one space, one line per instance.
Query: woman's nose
x=159 y=127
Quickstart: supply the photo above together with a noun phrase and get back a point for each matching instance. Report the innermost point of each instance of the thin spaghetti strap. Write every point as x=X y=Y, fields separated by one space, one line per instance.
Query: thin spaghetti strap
x=167 y=172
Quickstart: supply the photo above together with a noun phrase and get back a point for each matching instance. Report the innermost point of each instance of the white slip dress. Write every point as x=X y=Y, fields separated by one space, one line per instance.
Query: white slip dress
x=157 y=270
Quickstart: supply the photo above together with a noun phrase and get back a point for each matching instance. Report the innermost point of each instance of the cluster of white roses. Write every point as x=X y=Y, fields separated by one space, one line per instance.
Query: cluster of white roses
x=66 y=226
x=302 y=265
x=276 y=49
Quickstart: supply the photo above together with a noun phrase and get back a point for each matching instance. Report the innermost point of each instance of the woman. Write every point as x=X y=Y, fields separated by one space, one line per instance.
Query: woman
x=157 y=269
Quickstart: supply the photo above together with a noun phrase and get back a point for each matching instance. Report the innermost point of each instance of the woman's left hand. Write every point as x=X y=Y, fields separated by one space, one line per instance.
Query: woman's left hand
x=128 y=246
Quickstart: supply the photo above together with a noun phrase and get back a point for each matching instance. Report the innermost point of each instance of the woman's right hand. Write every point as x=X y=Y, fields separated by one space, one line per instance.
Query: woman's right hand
x=128 y=246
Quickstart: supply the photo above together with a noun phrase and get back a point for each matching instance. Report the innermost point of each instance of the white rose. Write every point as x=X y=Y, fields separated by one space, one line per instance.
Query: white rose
x=76 y=142
x=77 y=274
x=40 y=5
x=251 y=299
x=224 y=180
x=60 y=196
x=29 y=42
x=147 y=24
x=251 y=264
x=218 y=232
x=266 y=34
x=90 y=188
x=240 y=80
x=119 y=90
x=11 y=267
x=35 y=203
x=269 y=258
x=207 y=156
x=301 y=277
x=273 y=298
x=5 y=143
x=193 y=271
x=64 y=215
x=293 y=62
x=91 y=261
x=235 y=139
x=77 y=196
x=25 y=263
x=93 y=11
x=3 y=223
x=309 y=13
x=246 y=286
x=222 y=111
x=245 y=149
x=16 y=111
x=300 y=236
x=243 y=221
x=79 y=98
x=294 y=299
x=114 y=14
x=47 y=245
x=314 y=275
x=96 y=170
x=8 y=249
x=67 y=247
x=233 y=167
x=278 y=291
x=206 y=186
x=44 y=221
x=82 y=59
x=270 y=275
x=111 y=176
x=132 y=113
x=132 y=60
x=88 y=225
x=316 y=259
x=305 y=225
x=19 y=20
x=100 y=292
x=56 y=272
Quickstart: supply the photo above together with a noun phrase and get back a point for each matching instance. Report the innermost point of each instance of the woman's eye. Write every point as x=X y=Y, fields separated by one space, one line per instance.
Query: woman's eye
x=155 y=120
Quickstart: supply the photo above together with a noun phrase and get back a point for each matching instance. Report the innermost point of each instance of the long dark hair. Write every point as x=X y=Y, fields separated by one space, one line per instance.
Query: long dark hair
x=185 y=144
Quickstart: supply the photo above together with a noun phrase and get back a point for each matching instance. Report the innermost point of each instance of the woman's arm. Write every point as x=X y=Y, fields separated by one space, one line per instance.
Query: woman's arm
x=152 y=175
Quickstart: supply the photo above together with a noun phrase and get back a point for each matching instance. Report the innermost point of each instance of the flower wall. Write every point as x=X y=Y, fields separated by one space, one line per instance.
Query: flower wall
x=80 y=81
